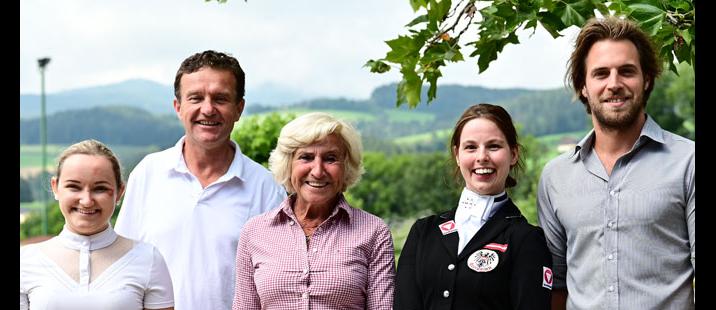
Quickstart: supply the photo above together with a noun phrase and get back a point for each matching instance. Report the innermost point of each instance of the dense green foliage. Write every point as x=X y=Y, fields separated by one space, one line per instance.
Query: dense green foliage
x=672 y=102
x=33 y=225
x=405 y=184
x=257 y=135
x=435 y=35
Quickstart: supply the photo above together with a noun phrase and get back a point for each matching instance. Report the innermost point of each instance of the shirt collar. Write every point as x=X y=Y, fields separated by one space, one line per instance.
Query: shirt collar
x=235 y=170
x=650 y=130
x=477 y=205
x=287 y=210
x=97 y=241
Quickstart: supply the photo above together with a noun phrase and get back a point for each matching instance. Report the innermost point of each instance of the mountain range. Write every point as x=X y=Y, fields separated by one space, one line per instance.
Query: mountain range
x=148 y=95
x=139 y=112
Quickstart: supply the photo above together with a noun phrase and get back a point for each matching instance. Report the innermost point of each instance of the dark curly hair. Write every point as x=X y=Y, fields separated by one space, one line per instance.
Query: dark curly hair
x=214 y=60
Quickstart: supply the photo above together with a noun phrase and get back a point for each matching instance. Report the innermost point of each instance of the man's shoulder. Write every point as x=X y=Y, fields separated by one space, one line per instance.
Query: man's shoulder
x=151 y=160
x=679 y=142
x=562 y=161
x=254 y=170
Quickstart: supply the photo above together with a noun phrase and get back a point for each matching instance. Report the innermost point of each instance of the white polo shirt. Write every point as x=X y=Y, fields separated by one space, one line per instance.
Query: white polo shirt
x=196 y=229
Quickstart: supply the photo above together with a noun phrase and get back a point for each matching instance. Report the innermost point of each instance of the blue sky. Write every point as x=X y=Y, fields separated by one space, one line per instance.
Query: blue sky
x=313 y=47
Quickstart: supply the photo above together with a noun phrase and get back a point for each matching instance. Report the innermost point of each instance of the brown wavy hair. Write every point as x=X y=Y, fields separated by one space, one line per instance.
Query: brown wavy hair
x=615 y=29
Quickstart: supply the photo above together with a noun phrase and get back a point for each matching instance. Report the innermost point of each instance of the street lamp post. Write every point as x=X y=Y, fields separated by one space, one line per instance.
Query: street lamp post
x=42 y=62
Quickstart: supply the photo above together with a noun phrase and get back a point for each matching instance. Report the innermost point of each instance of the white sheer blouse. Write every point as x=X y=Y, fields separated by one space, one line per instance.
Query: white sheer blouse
x=102 y=271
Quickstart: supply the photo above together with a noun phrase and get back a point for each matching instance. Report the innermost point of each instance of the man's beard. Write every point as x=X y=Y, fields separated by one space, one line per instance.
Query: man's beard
x=612 y=120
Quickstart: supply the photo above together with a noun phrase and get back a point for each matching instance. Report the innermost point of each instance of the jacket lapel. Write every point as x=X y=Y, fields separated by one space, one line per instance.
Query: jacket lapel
x=493 y=227
x=450 y=240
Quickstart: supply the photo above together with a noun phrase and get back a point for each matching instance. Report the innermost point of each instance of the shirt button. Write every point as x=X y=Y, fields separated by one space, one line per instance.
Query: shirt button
x=611 y=288
x=304 y=295
x=446 y=294
x=290 y=222
x=610 y=257
x=305 y=271
x=613 y=193
x=610 y=225
x=315 y=250
x=451 y=267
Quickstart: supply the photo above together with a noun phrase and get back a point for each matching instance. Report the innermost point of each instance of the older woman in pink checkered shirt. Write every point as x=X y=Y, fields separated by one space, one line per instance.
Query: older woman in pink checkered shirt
x=315 y=251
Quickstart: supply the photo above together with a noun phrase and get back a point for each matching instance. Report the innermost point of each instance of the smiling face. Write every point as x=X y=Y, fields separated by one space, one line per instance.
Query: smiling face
x=484 y=157
x=87 y=193
x=208 y=107
x=317 y=172
x=614 y=84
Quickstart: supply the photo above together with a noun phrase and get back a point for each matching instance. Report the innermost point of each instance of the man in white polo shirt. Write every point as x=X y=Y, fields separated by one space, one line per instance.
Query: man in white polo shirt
x=192 y=200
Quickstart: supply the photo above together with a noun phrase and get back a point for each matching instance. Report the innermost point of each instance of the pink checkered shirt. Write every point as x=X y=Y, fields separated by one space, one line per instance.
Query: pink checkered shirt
x=348 y=263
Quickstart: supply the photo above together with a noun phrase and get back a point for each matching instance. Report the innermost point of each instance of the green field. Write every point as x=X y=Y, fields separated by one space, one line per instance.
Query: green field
x=35 y=205
x=442 y=134
x=554 y=140
x=31 y=154
x=409 y=116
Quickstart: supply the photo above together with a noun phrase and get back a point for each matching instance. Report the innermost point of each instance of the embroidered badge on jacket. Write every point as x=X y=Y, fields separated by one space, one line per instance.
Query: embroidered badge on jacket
x=448 y=227
x=547 y=277
x=483 y=260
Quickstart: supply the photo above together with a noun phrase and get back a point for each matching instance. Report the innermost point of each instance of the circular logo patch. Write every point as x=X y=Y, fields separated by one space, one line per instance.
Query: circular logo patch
x=483 y=260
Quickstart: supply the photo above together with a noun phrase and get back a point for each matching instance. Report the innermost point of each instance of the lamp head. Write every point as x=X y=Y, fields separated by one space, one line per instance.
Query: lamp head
x=43 y=62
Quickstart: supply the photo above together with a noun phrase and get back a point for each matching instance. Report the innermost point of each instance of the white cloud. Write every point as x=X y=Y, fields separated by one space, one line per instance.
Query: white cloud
x=317 y=46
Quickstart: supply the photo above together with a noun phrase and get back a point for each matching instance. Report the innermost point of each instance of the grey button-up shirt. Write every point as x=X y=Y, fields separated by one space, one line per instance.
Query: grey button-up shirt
x=625 y=241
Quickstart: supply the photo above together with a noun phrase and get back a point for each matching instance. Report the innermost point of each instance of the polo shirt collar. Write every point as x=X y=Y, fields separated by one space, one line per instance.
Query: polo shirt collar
x=179 y=165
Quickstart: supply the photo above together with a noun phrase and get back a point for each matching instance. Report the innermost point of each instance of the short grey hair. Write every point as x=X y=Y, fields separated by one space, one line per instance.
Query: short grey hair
x=304 y=131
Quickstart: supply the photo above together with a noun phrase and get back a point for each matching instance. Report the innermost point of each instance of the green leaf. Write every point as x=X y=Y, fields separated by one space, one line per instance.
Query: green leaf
x=601 y=7
x=552 y=23
x=571 y=14
x=409 y=89
x=686 y=35
x=437 y=10
x=443 y=51
x=548 y=5
x=418 y=20
x=681 y=5
x=377 y=66
x=487 y=49
x=432 y=76
x=649 y=17
x=618 y=7
x=403 y=47
x=417 y=4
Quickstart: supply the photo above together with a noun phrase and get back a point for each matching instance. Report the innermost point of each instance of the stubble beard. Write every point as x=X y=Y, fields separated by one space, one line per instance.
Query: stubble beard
x=617 y=120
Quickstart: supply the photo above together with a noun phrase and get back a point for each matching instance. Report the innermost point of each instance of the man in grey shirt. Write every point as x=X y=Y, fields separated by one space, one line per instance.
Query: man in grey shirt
x=619 y=210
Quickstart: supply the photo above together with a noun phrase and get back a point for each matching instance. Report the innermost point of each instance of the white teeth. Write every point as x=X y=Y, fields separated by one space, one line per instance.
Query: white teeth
x=87 y=211
x=317 y=184
x=484 y=170
x=207 y=123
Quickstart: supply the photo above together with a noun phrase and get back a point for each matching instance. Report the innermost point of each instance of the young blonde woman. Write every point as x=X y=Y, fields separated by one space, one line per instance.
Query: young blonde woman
x=89 y=266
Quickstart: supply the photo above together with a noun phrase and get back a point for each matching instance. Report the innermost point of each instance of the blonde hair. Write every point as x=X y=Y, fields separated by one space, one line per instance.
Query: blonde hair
x=307 y=129
x=95 y=148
